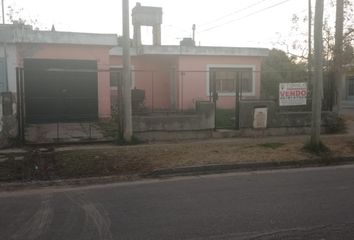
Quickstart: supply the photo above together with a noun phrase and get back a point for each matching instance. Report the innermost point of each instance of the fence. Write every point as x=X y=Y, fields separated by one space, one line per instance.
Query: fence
x=175 y=91
x=270 y=89
x=164 y=91
x=86 y=104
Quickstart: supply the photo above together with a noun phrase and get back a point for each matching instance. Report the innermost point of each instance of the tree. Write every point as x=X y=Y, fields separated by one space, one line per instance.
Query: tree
x=299 y=46
x=279 y=67
x=338 y=55
x=15 y=16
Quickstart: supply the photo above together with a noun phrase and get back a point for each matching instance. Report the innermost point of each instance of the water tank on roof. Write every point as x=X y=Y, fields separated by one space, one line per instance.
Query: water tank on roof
x=187 y=42
x=146 y=16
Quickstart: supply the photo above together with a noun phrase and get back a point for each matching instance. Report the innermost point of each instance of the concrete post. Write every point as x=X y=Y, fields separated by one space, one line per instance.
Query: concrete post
x=318 y=77
x=137 y=35
x=127 y=98
x=156 y=32
x=173 y=88
x=338 y=56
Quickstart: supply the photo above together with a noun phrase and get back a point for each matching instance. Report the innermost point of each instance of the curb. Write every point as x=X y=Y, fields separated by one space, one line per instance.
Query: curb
x=73 y=182
x=243 y=167
x=182 y=171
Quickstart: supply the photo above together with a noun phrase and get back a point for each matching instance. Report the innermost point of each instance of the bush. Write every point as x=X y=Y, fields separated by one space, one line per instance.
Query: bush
x=316 y=149
x=335 y=125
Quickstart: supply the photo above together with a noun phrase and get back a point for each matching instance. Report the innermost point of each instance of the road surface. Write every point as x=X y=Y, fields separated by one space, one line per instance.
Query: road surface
x=313 y=203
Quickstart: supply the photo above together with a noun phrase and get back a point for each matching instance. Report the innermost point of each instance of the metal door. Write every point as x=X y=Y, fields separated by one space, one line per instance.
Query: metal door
x=60 y=90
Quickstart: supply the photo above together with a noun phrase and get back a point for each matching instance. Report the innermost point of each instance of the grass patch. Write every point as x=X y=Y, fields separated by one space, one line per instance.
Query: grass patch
x=271 y=145
x=38 y=165
x=111 y=129
x=319 y=149
x=134 y=141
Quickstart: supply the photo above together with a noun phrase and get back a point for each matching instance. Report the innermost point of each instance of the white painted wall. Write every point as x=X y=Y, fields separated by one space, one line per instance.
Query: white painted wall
x=11 y=64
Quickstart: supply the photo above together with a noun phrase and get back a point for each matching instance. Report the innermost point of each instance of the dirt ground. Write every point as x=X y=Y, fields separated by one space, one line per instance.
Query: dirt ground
x=106 y=160
x=143 y=159
x=231 y=151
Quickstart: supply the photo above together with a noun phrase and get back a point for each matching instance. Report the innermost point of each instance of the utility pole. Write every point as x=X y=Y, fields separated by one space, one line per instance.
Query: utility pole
x=310 y=42
x=193 y=29
x=5 y=48
x=338 y=56
x=3 y=11
x=318 y=77
x=127 y=94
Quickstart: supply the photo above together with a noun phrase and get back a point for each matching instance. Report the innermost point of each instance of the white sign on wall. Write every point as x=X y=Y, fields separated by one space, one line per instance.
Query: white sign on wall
x=292 y=94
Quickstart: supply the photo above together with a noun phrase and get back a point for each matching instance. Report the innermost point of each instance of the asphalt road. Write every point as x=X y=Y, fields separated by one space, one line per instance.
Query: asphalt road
x=316 y=203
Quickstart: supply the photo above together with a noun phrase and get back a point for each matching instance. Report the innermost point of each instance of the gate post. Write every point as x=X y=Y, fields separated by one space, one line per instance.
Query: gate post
x=237 y=101
x=213 y=93
x=20 y=105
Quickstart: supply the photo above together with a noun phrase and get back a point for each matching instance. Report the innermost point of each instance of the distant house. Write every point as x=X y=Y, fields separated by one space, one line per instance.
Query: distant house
x=348 y=83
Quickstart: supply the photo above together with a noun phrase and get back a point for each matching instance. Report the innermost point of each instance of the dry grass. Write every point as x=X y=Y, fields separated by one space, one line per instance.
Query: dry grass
x=141 y=159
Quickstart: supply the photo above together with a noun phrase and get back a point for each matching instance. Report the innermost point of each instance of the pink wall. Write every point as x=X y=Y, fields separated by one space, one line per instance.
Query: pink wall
x=195 y=83
x=151 y=73
x=76 y=52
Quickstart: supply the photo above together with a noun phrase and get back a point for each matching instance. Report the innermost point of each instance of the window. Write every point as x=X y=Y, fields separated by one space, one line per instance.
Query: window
x=225 y=79
x=246 y=76
x=115 y=76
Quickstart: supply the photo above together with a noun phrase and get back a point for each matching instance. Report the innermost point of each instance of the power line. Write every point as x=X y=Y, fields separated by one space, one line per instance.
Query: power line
x=248 y=15
x=176 y=27
x=232 y=13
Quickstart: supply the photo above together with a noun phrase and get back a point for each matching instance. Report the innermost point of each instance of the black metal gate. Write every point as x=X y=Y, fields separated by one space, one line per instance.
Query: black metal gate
x=226 y=117
x=60 y=90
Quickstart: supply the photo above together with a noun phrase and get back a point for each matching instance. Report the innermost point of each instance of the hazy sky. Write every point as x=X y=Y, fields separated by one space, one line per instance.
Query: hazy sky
x=239 y=23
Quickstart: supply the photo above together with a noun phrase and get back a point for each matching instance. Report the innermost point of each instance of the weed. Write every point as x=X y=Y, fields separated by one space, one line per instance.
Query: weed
x=319 y=149
x=271 y=145
x=335 y=125
x=225 y=118
x=134 y=141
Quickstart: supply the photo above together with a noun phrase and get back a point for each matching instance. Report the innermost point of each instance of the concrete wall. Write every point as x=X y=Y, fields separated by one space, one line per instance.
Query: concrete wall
x=75 y=52
x=8 y=120
x=202 y=119
x=276 y=118
x=11 y=64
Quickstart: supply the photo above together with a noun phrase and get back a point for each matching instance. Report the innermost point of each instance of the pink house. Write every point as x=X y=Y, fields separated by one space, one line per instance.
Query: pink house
x=176 y=77
x=73 y=76
x=66 y=75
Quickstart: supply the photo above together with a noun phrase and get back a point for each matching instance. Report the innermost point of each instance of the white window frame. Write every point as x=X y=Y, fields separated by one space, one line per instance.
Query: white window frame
x=231 y=66
x=121 y=67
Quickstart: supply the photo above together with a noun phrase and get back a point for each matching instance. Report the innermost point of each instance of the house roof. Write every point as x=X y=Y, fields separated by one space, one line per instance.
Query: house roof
x=193 y=51
x=19 y=33
x=349 y=69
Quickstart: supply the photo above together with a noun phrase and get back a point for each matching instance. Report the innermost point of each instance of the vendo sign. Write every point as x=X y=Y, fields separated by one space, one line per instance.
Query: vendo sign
x=292 y=94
